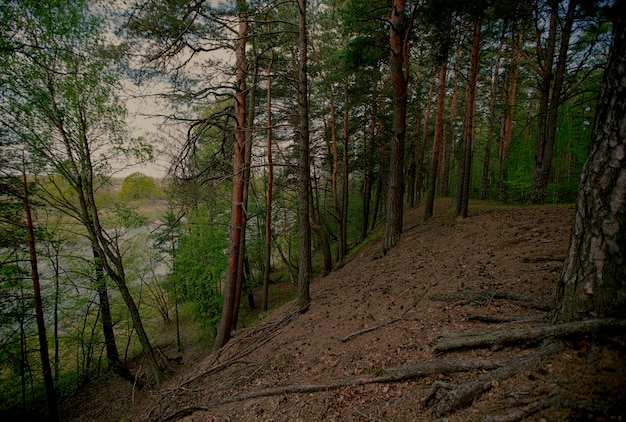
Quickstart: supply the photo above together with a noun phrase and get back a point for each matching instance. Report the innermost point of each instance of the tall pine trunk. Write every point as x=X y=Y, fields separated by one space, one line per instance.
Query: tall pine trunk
x=593 y=280
x=230 y=289
x=395 y=193
x=464 y=173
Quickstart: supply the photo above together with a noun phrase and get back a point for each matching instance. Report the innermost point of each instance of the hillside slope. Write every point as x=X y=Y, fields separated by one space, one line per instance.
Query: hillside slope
x=365 y=348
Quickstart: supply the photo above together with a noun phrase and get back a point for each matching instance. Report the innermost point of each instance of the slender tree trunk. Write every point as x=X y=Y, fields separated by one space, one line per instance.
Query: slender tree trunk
x=484 y=184
x=506 y=127
x=225 y=327
x=464 y=178
x=551 y=99
x=270 y=189
x=241 y=274
x=51 y=397
x=593 y=280
x=368 y=157
x=437 y=141
x=451 y=134
x=305 y=266
x=113 y=356
x=423 y=145
x=343 y=231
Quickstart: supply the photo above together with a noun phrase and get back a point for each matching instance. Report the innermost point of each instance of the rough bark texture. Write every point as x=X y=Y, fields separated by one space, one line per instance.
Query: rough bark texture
x=226 y=322
x=593 y=279
x=393 y=218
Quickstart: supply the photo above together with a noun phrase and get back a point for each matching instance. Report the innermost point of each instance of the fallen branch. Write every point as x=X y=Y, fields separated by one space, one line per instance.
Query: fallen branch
x=531 y=301
x=530 y=335
x=465 y=393
x=387 y=375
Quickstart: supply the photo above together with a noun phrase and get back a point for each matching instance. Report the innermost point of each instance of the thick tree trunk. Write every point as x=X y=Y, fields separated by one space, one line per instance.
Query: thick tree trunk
x=304 y=262
x=393 y=218
x=343 y=232
x=226 y=322
x=593 y=280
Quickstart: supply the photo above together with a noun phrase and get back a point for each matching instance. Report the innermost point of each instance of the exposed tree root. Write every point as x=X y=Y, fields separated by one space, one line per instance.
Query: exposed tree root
x=464 y=394
x=387 y=375
x=530 y=335
x=497 y=319
x=598 y=407
x=542 y=303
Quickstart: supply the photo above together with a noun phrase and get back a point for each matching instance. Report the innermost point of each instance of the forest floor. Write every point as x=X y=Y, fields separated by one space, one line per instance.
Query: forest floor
x=367 y=347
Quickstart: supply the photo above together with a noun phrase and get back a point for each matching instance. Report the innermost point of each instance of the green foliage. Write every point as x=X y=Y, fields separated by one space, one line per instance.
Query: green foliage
x=139 y=186
x=200 y=265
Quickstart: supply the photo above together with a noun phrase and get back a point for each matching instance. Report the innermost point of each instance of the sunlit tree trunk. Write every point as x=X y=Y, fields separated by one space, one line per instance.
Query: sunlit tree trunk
x=230 y=289
x=593 y=280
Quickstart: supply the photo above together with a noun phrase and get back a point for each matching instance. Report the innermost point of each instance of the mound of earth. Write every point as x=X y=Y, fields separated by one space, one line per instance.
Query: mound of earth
x=368 y=348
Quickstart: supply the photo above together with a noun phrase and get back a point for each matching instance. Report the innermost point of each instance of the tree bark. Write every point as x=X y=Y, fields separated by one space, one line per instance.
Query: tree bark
x=270 y=189
x=225 y=327
x=397 y=40
x=304 y=262
x=593 y=280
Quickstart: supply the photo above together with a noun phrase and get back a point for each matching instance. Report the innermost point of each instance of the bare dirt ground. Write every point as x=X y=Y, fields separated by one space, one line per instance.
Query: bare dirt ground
x=365 y=349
